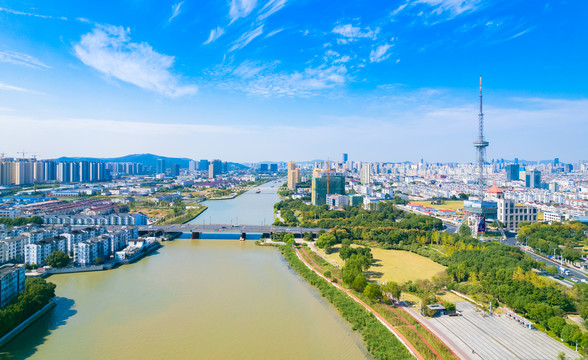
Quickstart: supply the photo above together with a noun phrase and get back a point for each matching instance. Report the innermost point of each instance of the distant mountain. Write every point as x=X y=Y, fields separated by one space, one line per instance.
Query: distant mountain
x=148 y=160
x=145 y=159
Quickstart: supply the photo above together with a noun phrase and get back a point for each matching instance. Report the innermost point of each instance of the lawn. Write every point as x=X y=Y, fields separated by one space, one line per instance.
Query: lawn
x=395 y=265
x=448 y=205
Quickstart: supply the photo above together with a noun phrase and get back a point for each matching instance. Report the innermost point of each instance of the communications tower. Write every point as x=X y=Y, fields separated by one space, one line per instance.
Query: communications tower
x=480 y=145
x=476 y=209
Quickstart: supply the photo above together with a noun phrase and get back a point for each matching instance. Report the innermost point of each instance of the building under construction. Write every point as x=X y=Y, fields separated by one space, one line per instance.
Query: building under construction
x=326 y=182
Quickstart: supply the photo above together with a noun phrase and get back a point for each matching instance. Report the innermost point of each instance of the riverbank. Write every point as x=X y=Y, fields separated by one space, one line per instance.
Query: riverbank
x=17 y=330
x=241 y=191
x=375 y=334
x=188 y=215
x=106 y=266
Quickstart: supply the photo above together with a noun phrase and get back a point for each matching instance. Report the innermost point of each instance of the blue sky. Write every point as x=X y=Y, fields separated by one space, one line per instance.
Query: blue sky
x=253 y=80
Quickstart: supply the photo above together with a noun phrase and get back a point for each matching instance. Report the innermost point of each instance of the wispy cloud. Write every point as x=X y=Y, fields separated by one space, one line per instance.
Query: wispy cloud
x=274 y=33
x=246 y=38
x=7 y=87
x=241 y=8
x=16 y=12
x=175 y=11
x=309 y=82
x=13 y=57
x=271 y=7
x=214 y=34
x=109 y=50
x=349 y=33
x=452 y=8
x=380 y=53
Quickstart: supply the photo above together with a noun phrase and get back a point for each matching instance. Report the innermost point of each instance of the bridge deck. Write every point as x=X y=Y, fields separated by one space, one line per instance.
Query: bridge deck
x=190 y=228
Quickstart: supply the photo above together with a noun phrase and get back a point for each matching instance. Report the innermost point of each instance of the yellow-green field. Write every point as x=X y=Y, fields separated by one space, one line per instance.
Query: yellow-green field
x=449 y=204
x=395 y=265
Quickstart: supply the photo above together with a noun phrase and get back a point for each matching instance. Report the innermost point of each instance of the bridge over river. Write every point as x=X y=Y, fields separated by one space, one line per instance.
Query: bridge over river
x=197 y=229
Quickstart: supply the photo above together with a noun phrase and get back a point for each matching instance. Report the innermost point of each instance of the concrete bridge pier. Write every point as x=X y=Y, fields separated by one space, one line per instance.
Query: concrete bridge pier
x=195 y=235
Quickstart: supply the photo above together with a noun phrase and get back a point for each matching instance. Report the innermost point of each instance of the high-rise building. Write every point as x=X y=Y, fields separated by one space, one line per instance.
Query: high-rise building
x=345 y=157
x=512 y=172
x=533 y=179
x=293 y=175
x=215 y=168
x=263 y=168
x=365 y=174
x=325 y=183
x=192 y=165
x=5 y=172
x=160 y=166
x=273 y=168
x=175 y=169
x=203 y=165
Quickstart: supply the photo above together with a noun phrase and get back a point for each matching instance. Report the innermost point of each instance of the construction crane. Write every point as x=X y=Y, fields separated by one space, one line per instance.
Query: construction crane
x=23 y=154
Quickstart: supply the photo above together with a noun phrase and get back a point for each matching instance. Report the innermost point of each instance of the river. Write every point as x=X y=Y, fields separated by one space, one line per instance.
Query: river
x=193 y=299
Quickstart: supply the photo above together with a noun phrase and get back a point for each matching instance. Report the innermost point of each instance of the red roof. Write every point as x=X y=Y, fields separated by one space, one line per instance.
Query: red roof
x=495 y=190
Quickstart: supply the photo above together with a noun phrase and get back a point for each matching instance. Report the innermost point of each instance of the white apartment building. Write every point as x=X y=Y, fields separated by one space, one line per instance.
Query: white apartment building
x=12 y=282
x=551 y=217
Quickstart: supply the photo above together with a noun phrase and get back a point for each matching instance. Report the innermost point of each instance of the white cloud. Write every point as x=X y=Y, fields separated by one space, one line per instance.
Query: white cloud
x=241 y=8
x=214 y=35
x=175 y=10
x=16 y=12
x=274 y=33
x=246 y=38
x=309 y=82
x=13 y=57
x=350 y=33
x=271 y=7
x=12 y=88
x=453 y=7
x=109 y=50
x=380 y=53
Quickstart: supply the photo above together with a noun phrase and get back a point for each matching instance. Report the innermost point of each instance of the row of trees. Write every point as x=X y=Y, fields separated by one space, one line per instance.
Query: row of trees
x=561 y=239
x=21 y=221
x=37 y=294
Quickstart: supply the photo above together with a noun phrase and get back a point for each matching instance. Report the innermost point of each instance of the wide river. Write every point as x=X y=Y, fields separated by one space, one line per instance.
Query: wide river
x=193 y=299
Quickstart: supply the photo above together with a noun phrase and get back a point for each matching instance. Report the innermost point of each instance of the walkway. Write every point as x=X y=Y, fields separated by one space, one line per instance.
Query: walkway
x=390 y=327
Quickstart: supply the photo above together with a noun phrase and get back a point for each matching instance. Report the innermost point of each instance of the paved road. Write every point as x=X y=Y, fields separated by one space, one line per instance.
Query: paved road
x=497 y=337
x=512 y=241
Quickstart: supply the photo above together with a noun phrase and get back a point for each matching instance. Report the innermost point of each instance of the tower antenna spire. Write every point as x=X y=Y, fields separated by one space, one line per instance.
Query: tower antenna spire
x=480 y=147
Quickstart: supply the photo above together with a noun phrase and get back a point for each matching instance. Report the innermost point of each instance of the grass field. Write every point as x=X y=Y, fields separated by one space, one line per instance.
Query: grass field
x=449 y=204
x=395 y=265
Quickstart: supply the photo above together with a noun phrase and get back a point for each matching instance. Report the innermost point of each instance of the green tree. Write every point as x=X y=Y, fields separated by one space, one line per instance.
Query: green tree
x=326 y=240
x=465 y=230
x=372 y=291
x=327 y=274
x=392 y=288
x=58 y=259
x=556 y=324
x=359 y=283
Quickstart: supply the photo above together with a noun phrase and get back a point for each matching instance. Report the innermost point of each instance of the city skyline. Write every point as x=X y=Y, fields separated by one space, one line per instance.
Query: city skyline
x=281 y=80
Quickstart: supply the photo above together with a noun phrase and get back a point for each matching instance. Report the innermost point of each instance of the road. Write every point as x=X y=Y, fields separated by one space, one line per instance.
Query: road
x=512 y=241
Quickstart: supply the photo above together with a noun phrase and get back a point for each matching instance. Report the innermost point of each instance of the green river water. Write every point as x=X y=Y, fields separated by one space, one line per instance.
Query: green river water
x=193 y=299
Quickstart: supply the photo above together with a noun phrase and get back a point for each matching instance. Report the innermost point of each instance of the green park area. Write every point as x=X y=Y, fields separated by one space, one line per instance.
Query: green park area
x=452 y=205
x=395 y=265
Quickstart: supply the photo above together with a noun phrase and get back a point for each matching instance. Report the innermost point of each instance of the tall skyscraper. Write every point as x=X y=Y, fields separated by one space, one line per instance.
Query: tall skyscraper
x=175 y=169
x=160 y=166
x=365 y=174
x=345 y=157
x=293 y=175
x=533 y=179
x=192 y=165
x=512 y=172
x=215 y=168
x=203 y=165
